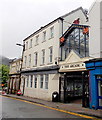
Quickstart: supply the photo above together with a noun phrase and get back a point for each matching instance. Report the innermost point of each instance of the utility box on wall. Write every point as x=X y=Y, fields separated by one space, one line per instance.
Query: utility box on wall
x=95 y=23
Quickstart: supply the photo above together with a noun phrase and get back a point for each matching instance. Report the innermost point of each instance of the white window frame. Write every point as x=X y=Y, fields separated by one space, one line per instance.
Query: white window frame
x=31 y=81
x=50 y=54
x=43 y=57
x=35 y=58
x=29 y=60
x=44 y=36
x=27 y=83
x=31 y=40
x=52 y=32
x=41 y=81
x=26 y=45
x=35 y=81
x=25 y=61
x=37 y=40
x=46 y=81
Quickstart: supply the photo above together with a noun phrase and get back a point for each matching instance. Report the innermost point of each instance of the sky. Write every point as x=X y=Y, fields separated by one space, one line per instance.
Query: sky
x=20 y=18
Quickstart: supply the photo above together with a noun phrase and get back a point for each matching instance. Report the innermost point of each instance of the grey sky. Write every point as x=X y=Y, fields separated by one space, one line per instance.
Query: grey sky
x=20 y=18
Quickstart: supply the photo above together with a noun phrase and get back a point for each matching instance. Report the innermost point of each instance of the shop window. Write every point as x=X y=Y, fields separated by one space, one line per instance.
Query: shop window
x=46 y=81
x=41 y=81
x=100 y=91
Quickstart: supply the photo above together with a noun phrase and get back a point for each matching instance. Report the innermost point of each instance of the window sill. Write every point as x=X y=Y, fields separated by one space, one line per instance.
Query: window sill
x=43 y=41
x=34 y=65
x=42 y=64
x=51 y=38
x=36 y=44
x=50 y=63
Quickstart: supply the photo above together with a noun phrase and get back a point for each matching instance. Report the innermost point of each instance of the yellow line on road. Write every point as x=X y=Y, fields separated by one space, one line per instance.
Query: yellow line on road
x=64 y=111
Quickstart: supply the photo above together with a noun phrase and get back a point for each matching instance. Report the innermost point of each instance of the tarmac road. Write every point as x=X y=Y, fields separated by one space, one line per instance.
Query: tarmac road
x=12 y=108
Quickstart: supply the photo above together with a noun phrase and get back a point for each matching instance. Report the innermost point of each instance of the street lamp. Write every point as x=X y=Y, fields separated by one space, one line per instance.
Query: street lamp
x=21 y=65
x=19 y=44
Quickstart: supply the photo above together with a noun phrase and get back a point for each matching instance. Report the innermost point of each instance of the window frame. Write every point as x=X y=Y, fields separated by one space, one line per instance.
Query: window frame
x=37 y=40
x=50 y=54
x=29 y=60
x=30 y=45
x=35 y=58
x=52 y=32
x=41 y=81
x=31 y=81
x=44 y=36
x=46 y=81
x=43 y=57
x=35 y=81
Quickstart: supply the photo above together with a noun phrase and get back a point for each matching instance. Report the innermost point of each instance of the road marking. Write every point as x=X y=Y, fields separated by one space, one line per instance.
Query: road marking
x=60 y=110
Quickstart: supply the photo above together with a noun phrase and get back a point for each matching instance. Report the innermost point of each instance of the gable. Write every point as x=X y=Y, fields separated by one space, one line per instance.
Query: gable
x=72 y=57
x=73 y=62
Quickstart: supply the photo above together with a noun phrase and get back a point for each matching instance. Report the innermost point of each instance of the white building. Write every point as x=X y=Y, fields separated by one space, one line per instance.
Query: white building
x=40 y=69
x=14 y=75
x=95 y=23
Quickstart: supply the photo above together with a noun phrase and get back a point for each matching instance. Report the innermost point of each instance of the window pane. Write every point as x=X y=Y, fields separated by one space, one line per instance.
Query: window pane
x=43 y=56
x=41 y=81
x=50 y=54
x=31 y=80
x=27 y=81
x=35 y=58
x=52 y=32
x=46 y=81
x=35 y=82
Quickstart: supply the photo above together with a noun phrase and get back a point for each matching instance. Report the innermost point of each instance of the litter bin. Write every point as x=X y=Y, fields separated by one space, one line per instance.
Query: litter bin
x=55 y=97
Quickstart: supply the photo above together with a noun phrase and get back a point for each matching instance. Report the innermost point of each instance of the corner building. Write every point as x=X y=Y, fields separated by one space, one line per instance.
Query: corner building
x=40 y=75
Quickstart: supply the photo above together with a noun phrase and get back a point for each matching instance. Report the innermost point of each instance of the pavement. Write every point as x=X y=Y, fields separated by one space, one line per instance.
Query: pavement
x=71 y=107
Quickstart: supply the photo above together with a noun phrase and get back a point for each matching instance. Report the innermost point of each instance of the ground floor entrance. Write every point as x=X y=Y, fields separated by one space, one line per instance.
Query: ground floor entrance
x=74 y=87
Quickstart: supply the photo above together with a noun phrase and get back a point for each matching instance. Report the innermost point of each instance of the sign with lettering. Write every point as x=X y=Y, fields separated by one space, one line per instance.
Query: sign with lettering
x=74 y=66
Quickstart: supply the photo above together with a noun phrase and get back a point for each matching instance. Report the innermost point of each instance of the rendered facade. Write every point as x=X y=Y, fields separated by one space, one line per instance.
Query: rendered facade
x=15 y=76
x=95 y=50
x=42 y=55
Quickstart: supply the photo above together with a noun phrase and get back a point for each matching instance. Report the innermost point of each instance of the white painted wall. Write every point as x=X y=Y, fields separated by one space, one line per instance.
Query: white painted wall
x=43 y=93
x=54 y=42
x=95 y=22
x=72 y=17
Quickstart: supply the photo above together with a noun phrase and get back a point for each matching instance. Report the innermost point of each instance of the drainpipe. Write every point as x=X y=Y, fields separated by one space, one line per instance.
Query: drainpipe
x=62 y=34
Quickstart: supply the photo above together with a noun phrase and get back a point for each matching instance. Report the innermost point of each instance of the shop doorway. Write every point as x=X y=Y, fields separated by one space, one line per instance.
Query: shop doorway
x=99 y=79
x=74 y=88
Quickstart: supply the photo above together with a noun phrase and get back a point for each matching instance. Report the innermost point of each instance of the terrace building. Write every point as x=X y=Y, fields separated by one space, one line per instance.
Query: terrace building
x=54 y=52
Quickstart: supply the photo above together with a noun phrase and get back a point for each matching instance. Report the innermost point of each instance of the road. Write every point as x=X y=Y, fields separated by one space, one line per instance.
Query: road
x=12 y=108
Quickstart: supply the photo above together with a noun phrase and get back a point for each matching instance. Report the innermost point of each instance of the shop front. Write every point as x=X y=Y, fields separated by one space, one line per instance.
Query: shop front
x=95 y=70
x=74 y=80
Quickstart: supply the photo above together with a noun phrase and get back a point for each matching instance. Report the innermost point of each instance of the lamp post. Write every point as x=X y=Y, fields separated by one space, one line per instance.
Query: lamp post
x=21 y=66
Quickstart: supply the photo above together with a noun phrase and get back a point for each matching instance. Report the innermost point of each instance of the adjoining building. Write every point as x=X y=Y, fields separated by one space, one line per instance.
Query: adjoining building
x=74 y=78
x=42 y=67
x=94 y=66
x=14 y=76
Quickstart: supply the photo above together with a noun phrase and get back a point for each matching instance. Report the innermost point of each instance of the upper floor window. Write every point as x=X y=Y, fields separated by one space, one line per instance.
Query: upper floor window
x=25 y=60
x=30 y=46
x=76 y=39
x=46 y=81
x=51 y=32
x=35 y=58
x=50 y=54
x=41 y=81
x=37 y=40
x=26 y=45
x=43 y=56
x=44 y=36
x=29 y=60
